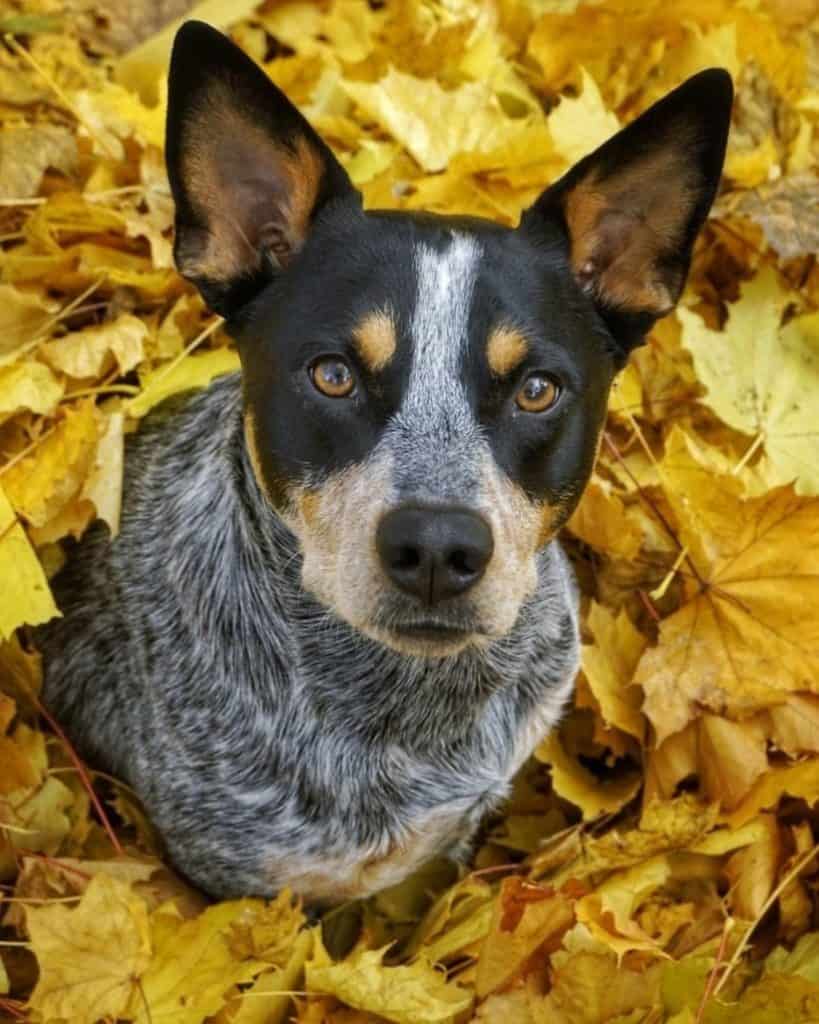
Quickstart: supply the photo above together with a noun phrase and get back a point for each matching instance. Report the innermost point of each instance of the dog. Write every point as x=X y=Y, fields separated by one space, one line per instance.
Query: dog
x=336 y=619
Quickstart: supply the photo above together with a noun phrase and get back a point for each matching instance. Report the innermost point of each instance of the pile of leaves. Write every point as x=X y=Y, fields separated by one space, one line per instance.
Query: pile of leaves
x=658 y=859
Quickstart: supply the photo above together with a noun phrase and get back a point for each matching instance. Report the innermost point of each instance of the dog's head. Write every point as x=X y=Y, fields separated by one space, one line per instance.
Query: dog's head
x=424 y=395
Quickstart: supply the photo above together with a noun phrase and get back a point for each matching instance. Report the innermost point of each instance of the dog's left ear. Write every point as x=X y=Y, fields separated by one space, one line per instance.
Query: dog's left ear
x=630 y=211
x=248 y=173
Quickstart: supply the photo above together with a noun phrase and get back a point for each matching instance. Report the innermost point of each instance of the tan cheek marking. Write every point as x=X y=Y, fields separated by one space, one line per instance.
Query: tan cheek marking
x=374 y=339
x=505 y=350
x=253 y=450
x=309 y=503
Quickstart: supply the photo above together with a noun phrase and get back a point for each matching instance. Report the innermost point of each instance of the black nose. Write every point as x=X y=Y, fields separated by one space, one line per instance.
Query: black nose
x=434 y=553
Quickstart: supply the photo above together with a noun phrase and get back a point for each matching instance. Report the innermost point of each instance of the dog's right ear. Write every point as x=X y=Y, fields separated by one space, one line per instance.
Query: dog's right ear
x=247 y=172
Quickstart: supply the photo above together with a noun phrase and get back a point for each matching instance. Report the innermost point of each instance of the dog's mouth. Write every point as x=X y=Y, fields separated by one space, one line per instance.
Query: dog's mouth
x=427 y=636
x=432 y=630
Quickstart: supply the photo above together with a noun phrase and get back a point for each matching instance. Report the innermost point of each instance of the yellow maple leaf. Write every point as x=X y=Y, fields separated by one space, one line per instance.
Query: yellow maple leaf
x=752 y=871
x=575 y=783
x=798 y=780
x=732 y=756
x=609 y=664
x=342 y=33
x=626 y=397
x=90 y=957
x=21 y=671
x=434 y=124
x=18 y=770
x=94 y=351
x=25 y=316
x=794 y=725
x=762 y=379
x=609 y=911
x=194 y=371
x=27 y=151
x=112 y=113
x=38 y=813
x=193 y=966
x=747 y=633
x=43 y=482
x=588 y=984
x=413 y=994
x=26 y=595
x=580 y=125
x=268 y=999
x=267 y=931
x=664 y=826
x=103 y=485
x=604 y=521
x=28 y=385
x=525 y=916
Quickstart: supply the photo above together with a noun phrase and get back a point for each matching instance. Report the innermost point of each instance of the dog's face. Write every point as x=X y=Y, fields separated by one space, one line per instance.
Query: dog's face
x=424 y=399
x=424 y=395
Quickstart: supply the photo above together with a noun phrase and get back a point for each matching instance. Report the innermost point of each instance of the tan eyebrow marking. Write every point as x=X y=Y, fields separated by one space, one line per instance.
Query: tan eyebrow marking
x=506 y=349
x=374 y=339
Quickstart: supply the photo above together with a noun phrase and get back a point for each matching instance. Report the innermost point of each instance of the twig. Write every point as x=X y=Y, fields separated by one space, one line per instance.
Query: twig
x=766 y=906
x=82 y=771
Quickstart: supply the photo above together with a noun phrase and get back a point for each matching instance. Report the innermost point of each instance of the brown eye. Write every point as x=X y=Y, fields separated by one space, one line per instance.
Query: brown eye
x=538 y=393
x=332 y=377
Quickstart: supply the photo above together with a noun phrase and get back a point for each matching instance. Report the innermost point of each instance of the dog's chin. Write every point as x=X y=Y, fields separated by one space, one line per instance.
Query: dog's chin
x=425 y=639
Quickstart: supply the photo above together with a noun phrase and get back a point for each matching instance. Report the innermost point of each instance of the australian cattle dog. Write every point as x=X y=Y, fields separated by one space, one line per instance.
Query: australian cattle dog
x=336 y=619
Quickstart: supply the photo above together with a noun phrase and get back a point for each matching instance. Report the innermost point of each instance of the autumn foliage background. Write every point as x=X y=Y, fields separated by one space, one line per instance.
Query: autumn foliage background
x=657 y=862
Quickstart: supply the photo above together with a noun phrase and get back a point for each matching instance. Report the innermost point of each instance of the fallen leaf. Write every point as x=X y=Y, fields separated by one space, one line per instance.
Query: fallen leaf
x=194 y=371
x=27 y=151
x=95 y=351
x=787 y=211
x=44 y=481
x=414 y=994
x=762 y=379
x=802 y=960
x=525 y=916
x=609 y=664
x=193 y=966
x=91 y=957
x=798 y=780
x=434 y=124
x=741 y=640
x=579 y=126
x=27 y=598
x=575 y=783
x=28 y=385
x=26 y=315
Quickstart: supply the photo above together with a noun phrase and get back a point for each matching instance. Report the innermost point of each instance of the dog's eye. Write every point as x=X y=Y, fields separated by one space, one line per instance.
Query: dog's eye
x=538 y=393
x=332 y=376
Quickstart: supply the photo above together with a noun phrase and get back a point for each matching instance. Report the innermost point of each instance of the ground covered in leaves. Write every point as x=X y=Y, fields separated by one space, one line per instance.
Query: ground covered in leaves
x=657 y=862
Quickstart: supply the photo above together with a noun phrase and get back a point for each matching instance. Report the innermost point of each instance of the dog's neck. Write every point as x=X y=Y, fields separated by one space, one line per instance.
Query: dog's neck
x=348 y=680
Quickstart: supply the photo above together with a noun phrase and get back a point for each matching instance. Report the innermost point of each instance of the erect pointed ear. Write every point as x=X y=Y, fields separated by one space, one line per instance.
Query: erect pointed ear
x=630 y=211
x=247 y=172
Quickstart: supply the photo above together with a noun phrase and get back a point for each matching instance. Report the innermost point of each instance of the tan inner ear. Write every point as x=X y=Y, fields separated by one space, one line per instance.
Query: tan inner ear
x=621 y=226
x=250 y=190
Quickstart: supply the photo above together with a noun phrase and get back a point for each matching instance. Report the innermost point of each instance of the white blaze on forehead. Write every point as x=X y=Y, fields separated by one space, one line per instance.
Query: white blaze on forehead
x=440 y=325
